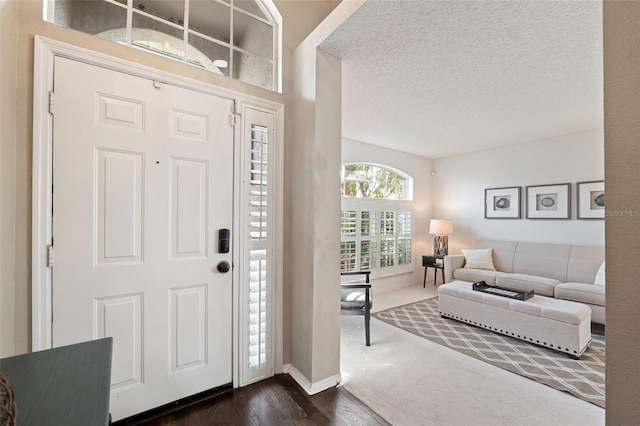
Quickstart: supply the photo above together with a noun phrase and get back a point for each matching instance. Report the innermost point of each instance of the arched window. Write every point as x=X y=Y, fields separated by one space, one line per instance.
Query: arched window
x=236 y=38
x=376 y=220
x=371 y=181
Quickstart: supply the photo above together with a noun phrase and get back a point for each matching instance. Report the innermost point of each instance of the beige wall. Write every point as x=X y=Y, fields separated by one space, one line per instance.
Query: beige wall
x=622 y=226
x=314 y=209
x=8 y=105
x=327 y=163
x=314 y=316
x=24 y=19
x=300 y=17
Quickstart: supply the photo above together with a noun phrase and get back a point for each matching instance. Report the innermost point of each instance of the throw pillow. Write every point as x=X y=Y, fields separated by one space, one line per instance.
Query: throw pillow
x=478 y=259
x=600 y=275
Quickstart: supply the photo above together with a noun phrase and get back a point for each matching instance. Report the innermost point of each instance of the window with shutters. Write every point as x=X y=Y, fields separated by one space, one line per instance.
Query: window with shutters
x=258 y=252
x=240 y=39
x=376 y=220
x=257 y=280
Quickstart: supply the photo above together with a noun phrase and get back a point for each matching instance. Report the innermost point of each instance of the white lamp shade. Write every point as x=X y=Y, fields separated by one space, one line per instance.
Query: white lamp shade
x=440 y=227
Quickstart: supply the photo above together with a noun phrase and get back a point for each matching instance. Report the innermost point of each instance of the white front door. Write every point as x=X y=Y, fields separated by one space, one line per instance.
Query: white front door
x=142 y=184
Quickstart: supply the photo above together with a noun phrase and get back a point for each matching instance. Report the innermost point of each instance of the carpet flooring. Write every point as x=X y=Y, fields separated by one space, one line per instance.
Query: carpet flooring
x=583 y=378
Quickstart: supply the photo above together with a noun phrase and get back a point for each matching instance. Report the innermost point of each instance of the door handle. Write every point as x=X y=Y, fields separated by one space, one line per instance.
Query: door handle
x=223 y=267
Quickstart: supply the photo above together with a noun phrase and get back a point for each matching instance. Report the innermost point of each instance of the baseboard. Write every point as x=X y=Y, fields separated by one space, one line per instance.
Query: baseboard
x=306 y=385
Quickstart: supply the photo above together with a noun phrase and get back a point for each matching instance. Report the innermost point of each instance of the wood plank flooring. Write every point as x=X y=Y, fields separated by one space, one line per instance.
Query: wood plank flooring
x=278 y=400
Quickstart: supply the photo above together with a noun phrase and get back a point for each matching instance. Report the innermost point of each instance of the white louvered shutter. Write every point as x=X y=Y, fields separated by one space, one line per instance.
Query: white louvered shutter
x=257 y=352
x=259 y=241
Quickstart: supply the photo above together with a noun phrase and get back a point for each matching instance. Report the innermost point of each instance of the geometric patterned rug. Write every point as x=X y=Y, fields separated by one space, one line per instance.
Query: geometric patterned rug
x=583 y=378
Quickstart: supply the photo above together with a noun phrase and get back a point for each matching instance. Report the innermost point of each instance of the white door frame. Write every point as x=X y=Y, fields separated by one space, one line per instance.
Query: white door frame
x=42 y=198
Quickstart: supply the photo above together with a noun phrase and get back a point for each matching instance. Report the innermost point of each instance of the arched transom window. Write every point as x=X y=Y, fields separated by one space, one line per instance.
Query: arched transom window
x=376 y=220
x=237 y=38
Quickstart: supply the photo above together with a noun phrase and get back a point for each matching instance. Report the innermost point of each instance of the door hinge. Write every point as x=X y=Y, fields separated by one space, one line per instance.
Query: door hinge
x=235 y=114
x=50 y=102
x=49 y=256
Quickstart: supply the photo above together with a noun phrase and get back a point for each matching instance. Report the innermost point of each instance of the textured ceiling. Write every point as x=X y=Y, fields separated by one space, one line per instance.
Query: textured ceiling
x=439 y=78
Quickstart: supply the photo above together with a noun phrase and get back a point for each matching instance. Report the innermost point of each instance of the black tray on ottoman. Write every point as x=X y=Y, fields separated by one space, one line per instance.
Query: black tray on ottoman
x=504 y=292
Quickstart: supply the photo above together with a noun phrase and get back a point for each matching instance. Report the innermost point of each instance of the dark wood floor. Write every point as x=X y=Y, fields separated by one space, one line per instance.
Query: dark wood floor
x=275 y=401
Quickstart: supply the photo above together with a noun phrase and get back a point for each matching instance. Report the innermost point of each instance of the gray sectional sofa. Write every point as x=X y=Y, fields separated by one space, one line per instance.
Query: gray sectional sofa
x=555 y=270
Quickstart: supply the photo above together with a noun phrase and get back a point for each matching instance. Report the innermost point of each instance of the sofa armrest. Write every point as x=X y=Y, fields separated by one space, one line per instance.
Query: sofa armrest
x=451 y=263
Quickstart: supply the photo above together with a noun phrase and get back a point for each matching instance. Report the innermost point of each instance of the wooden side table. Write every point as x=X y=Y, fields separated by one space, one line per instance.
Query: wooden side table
x=431 y=261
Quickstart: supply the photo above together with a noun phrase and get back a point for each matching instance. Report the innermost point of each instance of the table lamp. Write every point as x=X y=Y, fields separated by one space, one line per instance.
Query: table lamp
x=440 y=228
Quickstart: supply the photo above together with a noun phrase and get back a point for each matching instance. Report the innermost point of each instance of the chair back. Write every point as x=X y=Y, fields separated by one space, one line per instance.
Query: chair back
x=366 y=273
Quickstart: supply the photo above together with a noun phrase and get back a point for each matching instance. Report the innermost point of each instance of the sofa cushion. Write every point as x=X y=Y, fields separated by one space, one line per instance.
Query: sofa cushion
x=584 y=263
x=545 y=260
x=580 y=292
x=503 y=252
x=475 y=275
x=478 y=259
x=540 y=285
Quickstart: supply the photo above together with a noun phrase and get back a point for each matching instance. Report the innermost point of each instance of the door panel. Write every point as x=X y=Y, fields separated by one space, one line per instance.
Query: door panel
x=188 y=327
x=118 y=189
x=143 y=179
x=189 y=189
x=120 y=317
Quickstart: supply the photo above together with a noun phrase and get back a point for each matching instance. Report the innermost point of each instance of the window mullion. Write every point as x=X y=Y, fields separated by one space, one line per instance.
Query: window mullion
x=129 y=29
x=358 y=239
x=231 y=63
x=276 y=72
x=185 y=34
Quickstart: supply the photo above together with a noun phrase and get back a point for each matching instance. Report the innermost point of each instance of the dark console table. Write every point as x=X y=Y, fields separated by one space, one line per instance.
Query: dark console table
x=62 y=386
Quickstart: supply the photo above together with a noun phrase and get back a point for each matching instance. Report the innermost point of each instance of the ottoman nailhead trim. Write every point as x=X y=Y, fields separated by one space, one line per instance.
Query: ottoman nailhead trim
x=558 y=348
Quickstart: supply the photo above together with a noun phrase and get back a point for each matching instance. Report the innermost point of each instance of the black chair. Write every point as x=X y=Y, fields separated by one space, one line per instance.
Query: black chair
x=356 y=299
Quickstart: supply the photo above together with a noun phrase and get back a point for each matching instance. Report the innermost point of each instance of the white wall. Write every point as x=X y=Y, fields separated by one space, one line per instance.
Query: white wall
x=419 y=168
x=460 y=182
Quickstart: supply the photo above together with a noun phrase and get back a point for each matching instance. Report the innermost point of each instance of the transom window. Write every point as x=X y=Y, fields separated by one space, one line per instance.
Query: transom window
x=235 y=38
x=376 y=220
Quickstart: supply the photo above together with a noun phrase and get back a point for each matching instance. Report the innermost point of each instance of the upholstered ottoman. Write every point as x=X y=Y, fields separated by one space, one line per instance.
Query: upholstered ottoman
x=557 y=324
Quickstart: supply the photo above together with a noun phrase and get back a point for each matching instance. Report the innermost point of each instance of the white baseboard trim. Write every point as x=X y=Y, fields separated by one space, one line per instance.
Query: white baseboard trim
x=311 y=388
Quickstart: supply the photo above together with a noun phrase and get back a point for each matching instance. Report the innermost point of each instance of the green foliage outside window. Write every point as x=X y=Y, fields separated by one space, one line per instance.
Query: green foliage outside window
x=368 y=181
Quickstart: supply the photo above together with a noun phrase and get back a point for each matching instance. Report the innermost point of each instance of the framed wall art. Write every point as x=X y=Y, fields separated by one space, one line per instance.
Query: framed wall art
x=549 y=201
x=502 y=203
x=591 y=200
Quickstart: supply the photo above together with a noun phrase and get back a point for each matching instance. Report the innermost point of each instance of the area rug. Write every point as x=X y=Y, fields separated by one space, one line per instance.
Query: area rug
x=583 y=378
